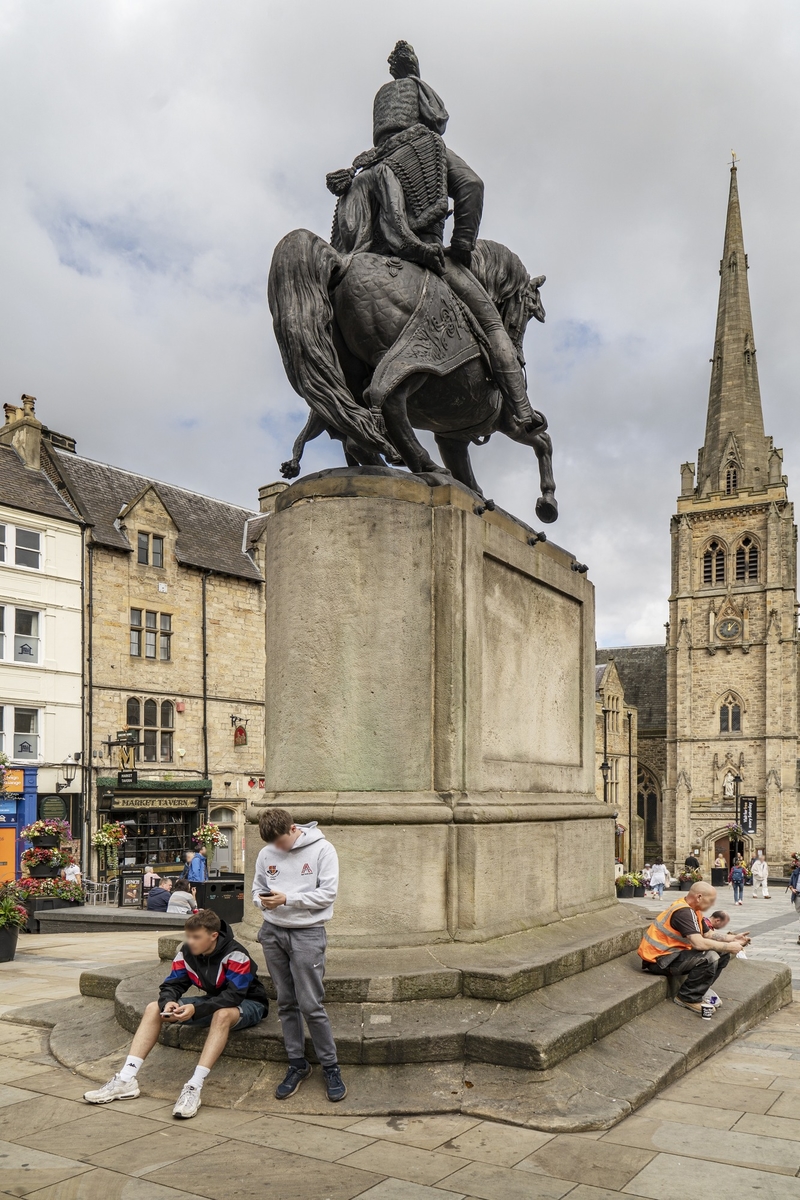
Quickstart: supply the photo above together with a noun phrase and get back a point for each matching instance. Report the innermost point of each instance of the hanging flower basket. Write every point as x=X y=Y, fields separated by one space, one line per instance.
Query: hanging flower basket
x=48 y=832
x=107 y=841
x=44 y=862
x=209 y=835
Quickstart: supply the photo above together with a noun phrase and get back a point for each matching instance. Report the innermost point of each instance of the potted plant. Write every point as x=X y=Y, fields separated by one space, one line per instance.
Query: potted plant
x=42 y=862
x=209 y=835
x=47 y=832
x=638 y=884
x=625 y=886
x=687 y=877
x=107 y=841
x=38 y=894
x=13 y=917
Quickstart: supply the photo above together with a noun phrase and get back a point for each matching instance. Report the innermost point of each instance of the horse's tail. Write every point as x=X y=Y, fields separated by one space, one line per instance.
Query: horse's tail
x=303 y=269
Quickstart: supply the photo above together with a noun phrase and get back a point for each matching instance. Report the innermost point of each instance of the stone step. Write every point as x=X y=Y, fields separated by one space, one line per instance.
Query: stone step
x=535 y=1032
x=502 y=969
x=590 y=1090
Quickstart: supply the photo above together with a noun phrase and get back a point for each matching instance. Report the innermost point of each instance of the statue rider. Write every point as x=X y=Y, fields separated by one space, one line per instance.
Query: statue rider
x=394 y=200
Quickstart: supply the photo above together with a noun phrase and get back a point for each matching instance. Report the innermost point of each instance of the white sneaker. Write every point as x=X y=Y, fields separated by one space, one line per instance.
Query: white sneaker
x=115 y=1089
x=711 y=997
x=188 y=1102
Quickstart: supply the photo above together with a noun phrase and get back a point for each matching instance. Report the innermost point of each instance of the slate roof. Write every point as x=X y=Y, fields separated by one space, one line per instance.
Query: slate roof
x=210 y=532
x=30 y=490
x=643 y=672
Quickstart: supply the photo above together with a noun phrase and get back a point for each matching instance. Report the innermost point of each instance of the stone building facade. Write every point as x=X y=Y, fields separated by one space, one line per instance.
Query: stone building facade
x=616 y=736
x=731 y=677
x=173 y=654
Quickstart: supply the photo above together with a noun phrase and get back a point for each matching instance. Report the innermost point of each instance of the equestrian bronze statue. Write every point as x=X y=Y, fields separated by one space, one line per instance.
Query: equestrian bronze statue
x=384 y=330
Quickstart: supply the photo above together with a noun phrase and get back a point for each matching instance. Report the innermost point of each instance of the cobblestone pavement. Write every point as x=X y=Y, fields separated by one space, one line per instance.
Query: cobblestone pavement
x=729 y=1127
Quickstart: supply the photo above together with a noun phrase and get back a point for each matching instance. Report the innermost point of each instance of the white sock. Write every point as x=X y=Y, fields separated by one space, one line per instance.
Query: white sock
x=199 y=1077
x=131 y=1068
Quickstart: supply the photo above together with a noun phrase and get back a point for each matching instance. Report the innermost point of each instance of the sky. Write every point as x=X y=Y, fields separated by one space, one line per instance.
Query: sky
x=154 y=154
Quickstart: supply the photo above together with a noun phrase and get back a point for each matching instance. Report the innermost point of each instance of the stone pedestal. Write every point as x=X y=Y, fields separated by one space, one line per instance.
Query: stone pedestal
x=430 y=701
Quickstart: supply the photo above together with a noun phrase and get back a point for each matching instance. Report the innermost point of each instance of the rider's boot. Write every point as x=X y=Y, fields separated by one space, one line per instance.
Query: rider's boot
x=512 y=385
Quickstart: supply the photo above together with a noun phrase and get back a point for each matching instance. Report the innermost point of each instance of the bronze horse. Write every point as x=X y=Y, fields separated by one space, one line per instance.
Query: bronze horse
x=380 y=346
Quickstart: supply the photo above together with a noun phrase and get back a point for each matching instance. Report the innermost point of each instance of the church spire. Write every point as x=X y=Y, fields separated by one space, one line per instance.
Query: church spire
x=735 y=453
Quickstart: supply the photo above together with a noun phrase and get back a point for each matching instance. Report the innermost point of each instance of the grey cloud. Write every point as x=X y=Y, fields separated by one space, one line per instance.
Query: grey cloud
x=154 y=154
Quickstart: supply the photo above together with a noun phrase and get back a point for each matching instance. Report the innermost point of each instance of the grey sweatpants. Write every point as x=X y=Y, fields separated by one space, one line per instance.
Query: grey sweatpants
x=295 y=960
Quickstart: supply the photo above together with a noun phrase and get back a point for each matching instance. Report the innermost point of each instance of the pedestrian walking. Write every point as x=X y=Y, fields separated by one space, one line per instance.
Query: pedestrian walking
x=760 y=875
x=198 y=867
x=303 y=863
x=659 y=878
x=794 y=891
x=737 y=878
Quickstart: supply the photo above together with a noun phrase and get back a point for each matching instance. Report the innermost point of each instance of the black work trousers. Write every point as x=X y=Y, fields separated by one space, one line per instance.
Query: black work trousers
x=701 y=969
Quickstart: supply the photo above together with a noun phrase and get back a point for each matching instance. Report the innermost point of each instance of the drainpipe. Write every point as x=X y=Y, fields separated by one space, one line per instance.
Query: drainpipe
x=630 y=786
x=205 y=671
x=88 y=760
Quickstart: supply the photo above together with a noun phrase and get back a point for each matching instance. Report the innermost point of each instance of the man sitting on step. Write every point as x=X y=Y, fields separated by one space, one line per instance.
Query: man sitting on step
x=234 y=998
x=677 y=943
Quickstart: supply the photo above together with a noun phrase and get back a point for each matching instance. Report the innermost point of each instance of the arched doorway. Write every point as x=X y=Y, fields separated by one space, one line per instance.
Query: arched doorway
x=223 y=855
x=648 y=807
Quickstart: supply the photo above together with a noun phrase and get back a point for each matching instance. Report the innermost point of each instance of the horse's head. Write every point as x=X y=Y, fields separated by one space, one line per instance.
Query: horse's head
x=533 y=299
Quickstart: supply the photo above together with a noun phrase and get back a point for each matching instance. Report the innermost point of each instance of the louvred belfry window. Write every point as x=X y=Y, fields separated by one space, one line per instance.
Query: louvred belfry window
x=747 y=561
x=714 y=564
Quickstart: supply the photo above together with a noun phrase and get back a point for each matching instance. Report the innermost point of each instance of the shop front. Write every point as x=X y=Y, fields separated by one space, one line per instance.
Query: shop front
x=18 y=808
x=160 y=819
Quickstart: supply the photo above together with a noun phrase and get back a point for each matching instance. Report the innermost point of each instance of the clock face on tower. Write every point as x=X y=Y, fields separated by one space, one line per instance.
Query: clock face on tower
x=729 y=628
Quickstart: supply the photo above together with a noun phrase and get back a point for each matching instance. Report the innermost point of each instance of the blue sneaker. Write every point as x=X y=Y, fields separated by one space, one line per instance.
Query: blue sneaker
x=334 y=1084
x=291 y=1082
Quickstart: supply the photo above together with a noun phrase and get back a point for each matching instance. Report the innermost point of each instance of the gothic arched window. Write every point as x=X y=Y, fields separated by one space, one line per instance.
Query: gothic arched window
x=647 y=804
x=714 y=563
x=731 y=479
x=730 y=715
x=747 y=560
x=154 y=739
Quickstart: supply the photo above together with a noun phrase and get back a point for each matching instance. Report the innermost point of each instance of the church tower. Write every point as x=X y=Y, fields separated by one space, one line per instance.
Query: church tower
x=732 y=659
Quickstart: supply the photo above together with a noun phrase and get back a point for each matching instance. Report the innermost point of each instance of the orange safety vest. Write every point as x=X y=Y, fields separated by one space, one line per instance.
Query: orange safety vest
x=660 y=938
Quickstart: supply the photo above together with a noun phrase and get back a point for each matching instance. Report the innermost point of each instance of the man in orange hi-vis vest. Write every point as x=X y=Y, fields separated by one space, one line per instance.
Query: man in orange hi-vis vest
x=676 y=944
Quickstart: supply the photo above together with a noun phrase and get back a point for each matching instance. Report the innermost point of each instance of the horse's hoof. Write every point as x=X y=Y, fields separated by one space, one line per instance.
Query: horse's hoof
x=547 y=509
x=290 y=470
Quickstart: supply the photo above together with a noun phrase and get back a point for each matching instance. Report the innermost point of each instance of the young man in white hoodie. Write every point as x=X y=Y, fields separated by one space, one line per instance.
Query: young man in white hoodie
x=295 y=884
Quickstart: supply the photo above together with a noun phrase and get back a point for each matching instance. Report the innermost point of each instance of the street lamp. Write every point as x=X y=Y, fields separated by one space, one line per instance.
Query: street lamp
x=605 y=768
x=69 y=769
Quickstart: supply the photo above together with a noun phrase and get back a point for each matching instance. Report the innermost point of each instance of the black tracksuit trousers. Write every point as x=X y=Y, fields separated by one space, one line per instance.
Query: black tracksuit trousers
x=702 y=968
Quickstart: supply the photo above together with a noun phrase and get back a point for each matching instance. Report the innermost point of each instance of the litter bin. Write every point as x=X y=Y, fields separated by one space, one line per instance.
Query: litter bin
x=225 y=896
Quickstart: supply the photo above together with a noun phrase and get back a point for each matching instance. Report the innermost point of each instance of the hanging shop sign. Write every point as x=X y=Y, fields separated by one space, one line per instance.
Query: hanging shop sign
x=748 y=814
x=240 y=735
x=14 y=781
x=128 y=801
x=127 y=778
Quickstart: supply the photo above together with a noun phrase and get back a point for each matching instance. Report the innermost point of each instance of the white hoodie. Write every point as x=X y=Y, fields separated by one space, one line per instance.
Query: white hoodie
x=308 y=875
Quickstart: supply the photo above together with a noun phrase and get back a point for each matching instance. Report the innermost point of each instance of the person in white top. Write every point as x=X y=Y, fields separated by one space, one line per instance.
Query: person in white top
x=72 y=873
x=659 y=878
x=760 y=875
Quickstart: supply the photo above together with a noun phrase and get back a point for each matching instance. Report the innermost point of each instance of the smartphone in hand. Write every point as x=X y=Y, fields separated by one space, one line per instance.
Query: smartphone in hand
x=264 y=895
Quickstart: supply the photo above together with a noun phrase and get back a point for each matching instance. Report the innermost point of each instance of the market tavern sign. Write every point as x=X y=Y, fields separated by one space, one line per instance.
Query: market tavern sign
x=131 y=801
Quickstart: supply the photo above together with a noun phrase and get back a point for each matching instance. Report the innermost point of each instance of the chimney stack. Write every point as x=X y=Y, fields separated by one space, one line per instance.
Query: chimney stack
x=23 y=432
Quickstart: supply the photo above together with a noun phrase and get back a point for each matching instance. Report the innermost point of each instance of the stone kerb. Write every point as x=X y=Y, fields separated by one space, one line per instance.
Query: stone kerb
x=429 y=701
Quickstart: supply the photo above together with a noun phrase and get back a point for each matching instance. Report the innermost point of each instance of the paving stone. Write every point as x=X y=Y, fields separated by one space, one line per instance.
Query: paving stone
x=13 y=1095
x=771 y=1124
x=586 y=1192
x=401 y=1189
x=40 y=1113
x=165 y=1144
x=504 y=1183
x=404 y=1162
x=313 y=1141
x=400 y=1089
x=13 y=1069
x=426 y=1132
x=786 y=1104
x=549 y=1101
x=711 y=1094
x=260 y=1173
x=499 y=1145
x=222 y=1121
x=690 y=1114
x=321 y=1119
x=23 y=1170
x=110 y=1185
x=586 y=1161
x=674 y=1177
x=748 y=1150
x=98 y=1130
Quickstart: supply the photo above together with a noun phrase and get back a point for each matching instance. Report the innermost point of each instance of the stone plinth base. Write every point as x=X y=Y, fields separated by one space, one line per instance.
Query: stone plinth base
x=430 y=700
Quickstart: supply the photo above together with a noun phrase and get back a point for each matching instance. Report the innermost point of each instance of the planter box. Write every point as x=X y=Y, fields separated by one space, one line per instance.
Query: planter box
x=47 y=841
x=638 y=892
x=42 y=871
x=684 y=884
x=45 y=903
x=8 y=942
x=626 y=892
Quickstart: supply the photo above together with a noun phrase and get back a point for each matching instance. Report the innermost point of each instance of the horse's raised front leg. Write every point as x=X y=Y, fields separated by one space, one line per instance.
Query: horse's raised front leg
x=537 y=437
x=401 y=431
x=313 y=427
x=455 y=455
